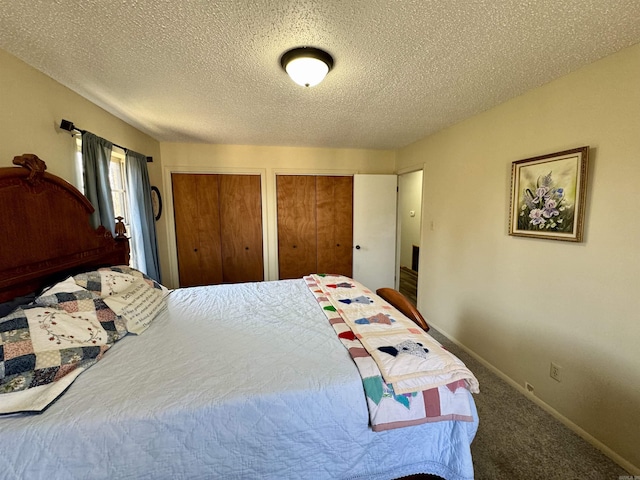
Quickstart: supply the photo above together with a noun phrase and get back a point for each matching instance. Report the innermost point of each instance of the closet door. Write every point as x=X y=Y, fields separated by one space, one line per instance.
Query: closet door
x=334 y=206
x=297 y=247
x=197 y=220
x=241 y=236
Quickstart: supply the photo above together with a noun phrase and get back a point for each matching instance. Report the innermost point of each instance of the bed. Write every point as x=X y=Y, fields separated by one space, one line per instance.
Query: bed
x=255 y=380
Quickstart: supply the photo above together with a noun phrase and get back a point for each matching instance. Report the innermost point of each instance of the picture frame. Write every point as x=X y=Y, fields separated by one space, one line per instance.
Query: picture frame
x=548 y=195
x=156 y=203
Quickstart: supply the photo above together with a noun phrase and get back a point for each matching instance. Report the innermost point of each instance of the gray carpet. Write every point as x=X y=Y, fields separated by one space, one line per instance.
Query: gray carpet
x=518 y=440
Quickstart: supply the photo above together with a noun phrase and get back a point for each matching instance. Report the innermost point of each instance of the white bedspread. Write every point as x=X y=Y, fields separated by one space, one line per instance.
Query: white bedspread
x=233 y=382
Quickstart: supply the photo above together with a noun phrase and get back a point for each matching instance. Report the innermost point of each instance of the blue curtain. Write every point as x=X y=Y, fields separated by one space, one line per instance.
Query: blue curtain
x=96 y=155
x=144 y=242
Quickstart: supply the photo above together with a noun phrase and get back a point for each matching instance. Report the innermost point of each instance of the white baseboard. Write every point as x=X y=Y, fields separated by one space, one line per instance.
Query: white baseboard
x=628 y=466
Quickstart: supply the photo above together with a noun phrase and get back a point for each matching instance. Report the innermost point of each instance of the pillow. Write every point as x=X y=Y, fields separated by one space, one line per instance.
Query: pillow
x=7 y=307
x=113 y=280
x=65 y=286
x=136 y=273
x=138 y=305
x=42 y=350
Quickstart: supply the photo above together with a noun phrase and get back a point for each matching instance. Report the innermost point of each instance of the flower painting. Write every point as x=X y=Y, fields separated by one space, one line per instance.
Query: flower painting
x=548 y=195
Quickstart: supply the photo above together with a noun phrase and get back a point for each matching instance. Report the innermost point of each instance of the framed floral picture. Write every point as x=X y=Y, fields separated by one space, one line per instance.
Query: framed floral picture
x=548 y=195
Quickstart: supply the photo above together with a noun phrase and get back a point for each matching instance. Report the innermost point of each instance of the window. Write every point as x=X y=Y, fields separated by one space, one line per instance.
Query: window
x=119 y=191
x=118 y=183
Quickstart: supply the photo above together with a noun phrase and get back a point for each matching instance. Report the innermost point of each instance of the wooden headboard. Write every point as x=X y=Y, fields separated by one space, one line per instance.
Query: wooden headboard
x=45 y=230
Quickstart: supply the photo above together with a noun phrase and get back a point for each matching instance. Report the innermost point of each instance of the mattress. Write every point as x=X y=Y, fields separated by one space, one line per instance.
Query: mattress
x=245 y=381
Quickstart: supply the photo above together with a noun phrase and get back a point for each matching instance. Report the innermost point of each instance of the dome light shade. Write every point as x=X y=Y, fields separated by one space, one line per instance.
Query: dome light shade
x=307 y=66
x=307 y=71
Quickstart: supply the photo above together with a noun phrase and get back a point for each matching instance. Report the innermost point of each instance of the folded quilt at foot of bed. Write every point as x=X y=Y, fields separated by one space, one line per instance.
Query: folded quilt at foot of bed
x=408 y=377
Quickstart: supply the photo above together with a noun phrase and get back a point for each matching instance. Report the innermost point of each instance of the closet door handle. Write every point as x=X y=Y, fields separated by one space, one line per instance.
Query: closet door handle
x=295 y=246
x=337 y=245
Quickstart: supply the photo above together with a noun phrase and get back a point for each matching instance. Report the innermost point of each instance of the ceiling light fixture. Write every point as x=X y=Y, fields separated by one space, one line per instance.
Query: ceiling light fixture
x=307 y=66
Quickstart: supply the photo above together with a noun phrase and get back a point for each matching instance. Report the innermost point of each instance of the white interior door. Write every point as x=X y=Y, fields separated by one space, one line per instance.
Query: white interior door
x=374 y=230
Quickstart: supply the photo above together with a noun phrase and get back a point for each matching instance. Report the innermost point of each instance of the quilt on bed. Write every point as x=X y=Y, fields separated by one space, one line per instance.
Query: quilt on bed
x=45 y=345
x=408 y=377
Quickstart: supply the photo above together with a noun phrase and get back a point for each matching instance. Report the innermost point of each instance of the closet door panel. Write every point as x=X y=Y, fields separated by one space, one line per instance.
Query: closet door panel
x=195 y=203
x=334 y=203
x=209 y=229
x=187 y=237
x=241 y=235
x=297 y=247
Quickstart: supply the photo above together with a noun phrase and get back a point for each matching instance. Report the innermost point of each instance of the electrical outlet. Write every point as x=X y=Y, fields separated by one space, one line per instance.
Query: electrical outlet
x=554 y=372
x=528 y=387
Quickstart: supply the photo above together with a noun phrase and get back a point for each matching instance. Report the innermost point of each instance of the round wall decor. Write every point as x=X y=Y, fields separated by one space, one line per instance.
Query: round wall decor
x=156 y=201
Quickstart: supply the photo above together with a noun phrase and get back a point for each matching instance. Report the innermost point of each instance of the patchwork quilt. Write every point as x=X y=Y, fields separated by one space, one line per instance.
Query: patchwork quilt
x=43 y=349
x=408 y=377
x=45 y=345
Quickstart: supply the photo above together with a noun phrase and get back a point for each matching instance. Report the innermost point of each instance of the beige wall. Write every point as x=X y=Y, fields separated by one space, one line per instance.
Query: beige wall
x=33 y=105
x=264 y=161
x=521 y=303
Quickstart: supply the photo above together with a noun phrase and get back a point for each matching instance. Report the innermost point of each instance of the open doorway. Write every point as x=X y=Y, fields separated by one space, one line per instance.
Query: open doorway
x=408 y=241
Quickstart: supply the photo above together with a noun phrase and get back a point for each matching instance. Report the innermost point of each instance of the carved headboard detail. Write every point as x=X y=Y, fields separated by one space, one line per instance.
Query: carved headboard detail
x=46 y=234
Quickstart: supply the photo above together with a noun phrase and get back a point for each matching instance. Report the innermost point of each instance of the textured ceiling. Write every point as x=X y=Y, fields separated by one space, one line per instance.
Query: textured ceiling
x=208 y=71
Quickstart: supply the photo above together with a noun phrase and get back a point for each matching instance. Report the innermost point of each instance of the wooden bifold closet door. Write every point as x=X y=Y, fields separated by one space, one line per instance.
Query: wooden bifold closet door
x=218 y=222
x=315 y=225
x=297 y=243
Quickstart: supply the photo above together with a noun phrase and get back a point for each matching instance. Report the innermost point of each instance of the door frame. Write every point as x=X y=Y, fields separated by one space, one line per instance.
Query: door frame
x=401 y=172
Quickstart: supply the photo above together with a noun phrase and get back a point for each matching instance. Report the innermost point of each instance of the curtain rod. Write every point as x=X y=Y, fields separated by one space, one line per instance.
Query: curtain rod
x=70 y=127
